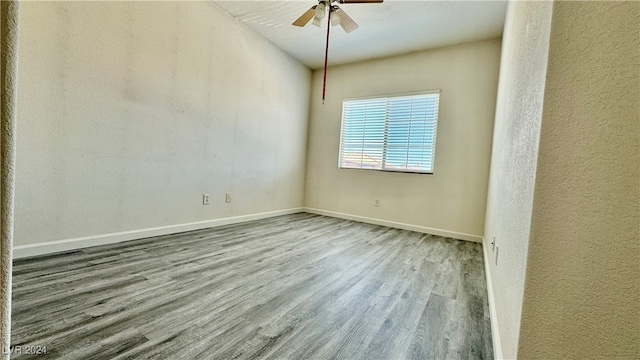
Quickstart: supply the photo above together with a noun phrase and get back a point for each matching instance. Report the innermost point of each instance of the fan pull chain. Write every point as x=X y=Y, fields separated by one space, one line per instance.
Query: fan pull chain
x=326 y=56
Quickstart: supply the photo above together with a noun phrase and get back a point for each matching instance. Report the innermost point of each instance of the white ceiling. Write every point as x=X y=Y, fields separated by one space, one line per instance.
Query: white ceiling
x=391 y=28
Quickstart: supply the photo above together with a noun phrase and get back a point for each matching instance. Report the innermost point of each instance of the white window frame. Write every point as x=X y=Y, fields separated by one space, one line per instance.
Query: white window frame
x=383 y=169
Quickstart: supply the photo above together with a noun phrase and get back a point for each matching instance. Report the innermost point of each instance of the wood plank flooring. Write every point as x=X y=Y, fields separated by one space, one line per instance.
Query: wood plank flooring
x=299 y=286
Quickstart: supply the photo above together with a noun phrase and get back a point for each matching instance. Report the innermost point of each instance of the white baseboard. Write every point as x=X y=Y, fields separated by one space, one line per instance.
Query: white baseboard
x=22 y=251
x=398 y=225
x=495 y=334
x=50 y=247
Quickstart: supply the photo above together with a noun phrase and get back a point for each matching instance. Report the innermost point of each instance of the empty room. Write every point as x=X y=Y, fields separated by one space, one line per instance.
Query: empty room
x=345 y=179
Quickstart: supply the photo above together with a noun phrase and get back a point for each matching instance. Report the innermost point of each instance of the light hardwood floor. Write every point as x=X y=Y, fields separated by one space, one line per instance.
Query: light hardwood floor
x=299 y=286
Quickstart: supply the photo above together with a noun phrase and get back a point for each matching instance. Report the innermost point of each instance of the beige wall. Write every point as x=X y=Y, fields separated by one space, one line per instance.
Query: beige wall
x=582 y=289
x=564 y=190
x=453 y=199
x=130 y=111
x=513 y=164
x=9 y=36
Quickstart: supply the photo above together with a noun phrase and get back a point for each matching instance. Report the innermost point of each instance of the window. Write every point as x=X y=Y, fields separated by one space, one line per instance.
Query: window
x=394 y=133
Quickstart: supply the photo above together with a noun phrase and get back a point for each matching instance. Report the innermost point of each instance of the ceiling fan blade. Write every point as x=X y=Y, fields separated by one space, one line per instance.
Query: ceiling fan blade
x=346 y=22
x=359 y=1
x=304 y=19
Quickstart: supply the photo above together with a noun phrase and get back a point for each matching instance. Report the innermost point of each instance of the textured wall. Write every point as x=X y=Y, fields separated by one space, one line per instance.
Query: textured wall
x=8 y=109
x=130 y=111
x=453 y=198
x=513 y=162
x=582 y=295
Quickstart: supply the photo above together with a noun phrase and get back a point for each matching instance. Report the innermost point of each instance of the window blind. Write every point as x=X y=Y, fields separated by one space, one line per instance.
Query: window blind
x=390 y=133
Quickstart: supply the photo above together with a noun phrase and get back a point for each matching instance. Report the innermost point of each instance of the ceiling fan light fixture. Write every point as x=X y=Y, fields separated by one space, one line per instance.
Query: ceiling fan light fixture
x=335 y=20
x=319 y=14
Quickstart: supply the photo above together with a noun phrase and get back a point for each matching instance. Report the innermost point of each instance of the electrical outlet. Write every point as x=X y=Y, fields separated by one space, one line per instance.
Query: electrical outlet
x=497 y=248
x=206 y=198
x=376 y=202
x=227 y=198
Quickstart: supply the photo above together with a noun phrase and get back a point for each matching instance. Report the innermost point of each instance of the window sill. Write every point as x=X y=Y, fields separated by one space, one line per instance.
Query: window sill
x=388 y=170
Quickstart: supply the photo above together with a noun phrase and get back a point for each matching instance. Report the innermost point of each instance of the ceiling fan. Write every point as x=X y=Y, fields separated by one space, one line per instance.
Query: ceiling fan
x=317 y=13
